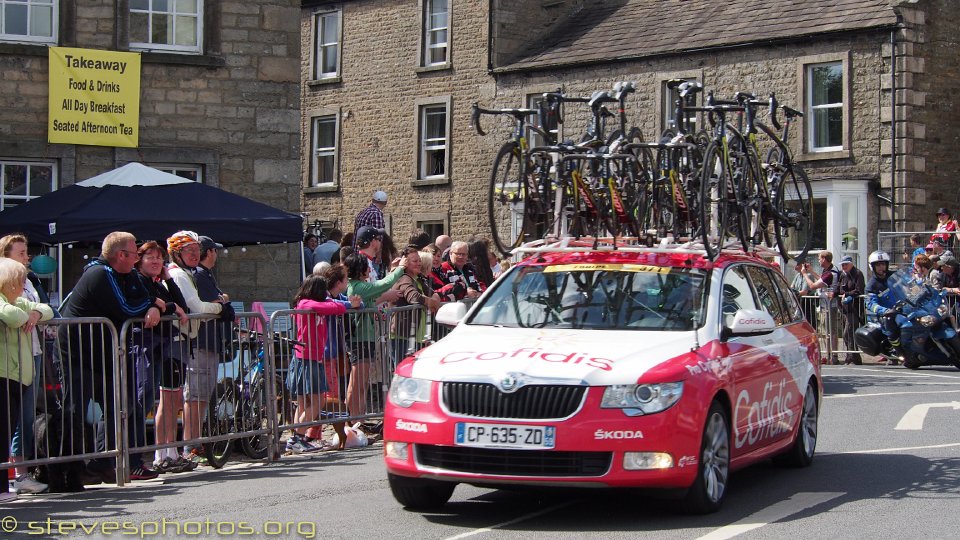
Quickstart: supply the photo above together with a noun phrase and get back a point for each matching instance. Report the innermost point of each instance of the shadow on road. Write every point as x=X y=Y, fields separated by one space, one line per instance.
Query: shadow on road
x=858 y=476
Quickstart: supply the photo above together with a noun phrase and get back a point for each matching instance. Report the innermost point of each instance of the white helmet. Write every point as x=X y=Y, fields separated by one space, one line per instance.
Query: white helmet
x=878 y=256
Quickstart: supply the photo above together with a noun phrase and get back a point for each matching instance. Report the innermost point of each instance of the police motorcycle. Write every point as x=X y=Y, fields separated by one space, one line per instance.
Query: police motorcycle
x=923 y=320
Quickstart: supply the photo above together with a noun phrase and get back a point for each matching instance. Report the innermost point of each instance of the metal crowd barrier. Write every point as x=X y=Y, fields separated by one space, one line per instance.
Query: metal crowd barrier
x=197 y=386
x=70 y=410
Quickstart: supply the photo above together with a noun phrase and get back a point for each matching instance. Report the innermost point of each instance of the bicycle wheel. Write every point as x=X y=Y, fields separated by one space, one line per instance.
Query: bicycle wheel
x=716 y=221
x=221 y=420
x=759 y=206
x=254 y=416
x=793 y=208
x=506 y=194
x=540 y=207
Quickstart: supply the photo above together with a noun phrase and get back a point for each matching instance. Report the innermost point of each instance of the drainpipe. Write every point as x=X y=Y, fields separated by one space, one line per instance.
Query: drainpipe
x=490 y=9
x=893 y=130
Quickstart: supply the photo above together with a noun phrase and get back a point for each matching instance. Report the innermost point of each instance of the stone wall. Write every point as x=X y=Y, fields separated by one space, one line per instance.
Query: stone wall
x=376 y=99
x=234 y=110
x=927 y=115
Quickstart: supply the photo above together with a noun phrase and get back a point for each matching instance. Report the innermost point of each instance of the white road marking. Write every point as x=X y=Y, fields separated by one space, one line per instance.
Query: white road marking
x=897 y=373
x=884 y=450
x=772 y=513
x=848 y=396
x=511 y=522
x=914 y=418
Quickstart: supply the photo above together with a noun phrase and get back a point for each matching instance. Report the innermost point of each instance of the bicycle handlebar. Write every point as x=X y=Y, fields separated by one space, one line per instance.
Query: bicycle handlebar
x=476 y=111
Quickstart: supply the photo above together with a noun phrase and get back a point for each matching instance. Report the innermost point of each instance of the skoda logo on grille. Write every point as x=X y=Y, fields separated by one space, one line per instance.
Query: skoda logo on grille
x=509 y=383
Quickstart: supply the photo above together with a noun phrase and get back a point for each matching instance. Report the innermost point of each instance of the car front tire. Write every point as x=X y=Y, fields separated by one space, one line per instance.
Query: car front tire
x=706 y=494
x=420 y=493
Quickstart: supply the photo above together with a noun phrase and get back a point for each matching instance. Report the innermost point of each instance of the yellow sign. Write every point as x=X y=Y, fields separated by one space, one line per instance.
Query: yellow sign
x=94 y=97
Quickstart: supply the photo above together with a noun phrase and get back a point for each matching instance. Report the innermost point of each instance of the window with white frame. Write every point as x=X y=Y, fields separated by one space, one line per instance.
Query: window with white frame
x=434 y=141
x=669 y=107
x=32 y=21
x=323 y=161
x=25 y=180
x=326 y=51
x=166 y=25
x=190 y=172
x=824 y=84
x=549 y=124
x=436 y=32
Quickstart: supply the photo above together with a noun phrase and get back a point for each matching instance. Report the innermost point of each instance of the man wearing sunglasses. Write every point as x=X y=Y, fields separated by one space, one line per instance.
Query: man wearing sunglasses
x=108 y=288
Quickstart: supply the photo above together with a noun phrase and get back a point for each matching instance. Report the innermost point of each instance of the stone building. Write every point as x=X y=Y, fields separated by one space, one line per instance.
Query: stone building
x=388 y=87
x=219 y=104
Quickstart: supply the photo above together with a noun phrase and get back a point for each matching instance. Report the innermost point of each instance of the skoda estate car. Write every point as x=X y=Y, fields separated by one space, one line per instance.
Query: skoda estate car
x=629 y=367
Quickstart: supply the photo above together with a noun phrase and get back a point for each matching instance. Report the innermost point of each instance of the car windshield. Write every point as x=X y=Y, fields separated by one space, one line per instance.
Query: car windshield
x=596 y=296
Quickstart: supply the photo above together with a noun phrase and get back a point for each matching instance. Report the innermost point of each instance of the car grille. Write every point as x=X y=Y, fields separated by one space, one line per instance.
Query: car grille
x=514 y=462
x=533 y=401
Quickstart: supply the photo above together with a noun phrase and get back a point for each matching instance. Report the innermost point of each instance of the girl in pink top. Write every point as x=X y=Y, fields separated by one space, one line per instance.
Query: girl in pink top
x=306 y=379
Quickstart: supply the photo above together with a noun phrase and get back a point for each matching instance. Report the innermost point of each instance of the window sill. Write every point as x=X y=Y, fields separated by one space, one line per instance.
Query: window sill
x=431 y=69
x=204 y=60
x=439 y=181
x=819 y=156
x=25 y=49
x=329 y=188
x=325 y=80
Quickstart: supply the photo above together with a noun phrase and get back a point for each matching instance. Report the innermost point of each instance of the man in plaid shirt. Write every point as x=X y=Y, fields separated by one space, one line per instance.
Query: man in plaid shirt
x=373 y=214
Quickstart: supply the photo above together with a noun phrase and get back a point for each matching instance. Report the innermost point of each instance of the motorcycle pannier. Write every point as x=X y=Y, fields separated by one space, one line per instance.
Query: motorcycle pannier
x=869 y=340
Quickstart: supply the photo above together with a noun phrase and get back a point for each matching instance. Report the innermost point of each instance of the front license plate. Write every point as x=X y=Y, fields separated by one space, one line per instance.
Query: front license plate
x=505 y=436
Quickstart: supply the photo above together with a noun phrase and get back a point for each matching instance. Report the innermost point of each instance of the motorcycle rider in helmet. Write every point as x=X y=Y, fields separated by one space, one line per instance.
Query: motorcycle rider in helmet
x=881 y=303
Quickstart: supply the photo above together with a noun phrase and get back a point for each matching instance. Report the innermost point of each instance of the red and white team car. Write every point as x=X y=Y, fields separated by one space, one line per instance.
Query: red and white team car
x=633 y=367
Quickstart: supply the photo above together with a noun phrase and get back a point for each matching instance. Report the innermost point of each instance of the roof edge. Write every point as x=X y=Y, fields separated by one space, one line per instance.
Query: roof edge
x=679 y=52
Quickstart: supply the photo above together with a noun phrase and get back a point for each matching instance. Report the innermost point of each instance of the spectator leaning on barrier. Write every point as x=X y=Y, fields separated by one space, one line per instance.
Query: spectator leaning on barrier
x=168 y=351
x=372 y=215
x=850 y=288
x=18 y=318
x=363 y=339
x=107 y=288
x=14 y=246
x=306 y=377
x=200 y=377
x=414 y=290
x=828 y=304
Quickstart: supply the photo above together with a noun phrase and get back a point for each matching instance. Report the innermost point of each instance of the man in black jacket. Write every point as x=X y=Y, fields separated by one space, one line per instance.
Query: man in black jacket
x=849 y=289
x=108 y=288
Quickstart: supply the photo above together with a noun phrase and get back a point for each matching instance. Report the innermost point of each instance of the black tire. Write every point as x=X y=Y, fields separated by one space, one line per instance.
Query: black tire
x=539 y=208
x=420 y=493
x=706 y=494
x=748 y=209
x=506 y=190
x=716 y=224
x=793 y=212
x=800 y=453
x=759 y=210
x=221 y=420
x=254 y=416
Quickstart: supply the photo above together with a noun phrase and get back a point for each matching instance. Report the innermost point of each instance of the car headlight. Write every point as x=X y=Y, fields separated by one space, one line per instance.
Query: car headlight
x=636 y=399
x=928 y=320
x=405 y=391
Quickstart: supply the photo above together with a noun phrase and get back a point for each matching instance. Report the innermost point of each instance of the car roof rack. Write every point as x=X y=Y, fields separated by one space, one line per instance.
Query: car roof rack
x=633 y=245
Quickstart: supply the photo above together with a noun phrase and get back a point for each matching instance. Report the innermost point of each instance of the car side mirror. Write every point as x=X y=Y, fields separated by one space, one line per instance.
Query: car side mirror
x=748 y=322
x=451 y=314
